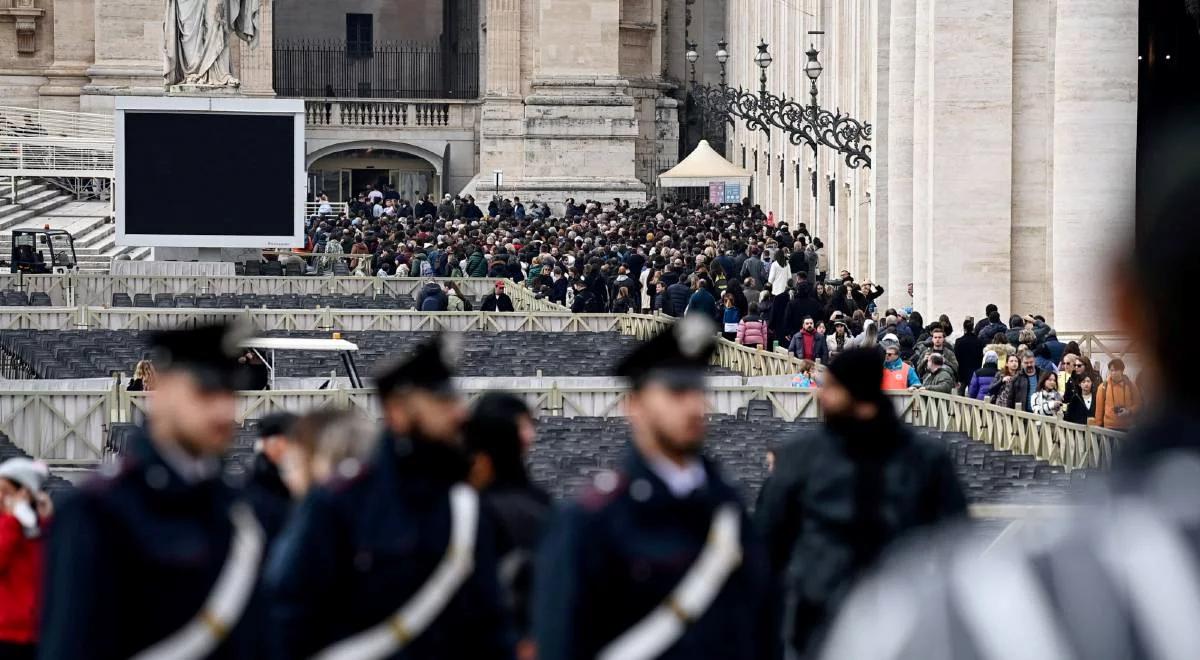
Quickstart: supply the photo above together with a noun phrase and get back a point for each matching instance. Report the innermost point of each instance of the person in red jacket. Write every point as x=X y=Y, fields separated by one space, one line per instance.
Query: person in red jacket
x=24 y=508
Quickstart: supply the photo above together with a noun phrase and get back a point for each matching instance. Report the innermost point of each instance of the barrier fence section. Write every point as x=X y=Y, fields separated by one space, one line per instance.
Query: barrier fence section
x=70 y=425
x=97 y=289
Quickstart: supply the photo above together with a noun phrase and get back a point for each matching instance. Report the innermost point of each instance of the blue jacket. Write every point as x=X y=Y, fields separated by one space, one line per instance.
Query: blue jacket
x=611 y=558
x=358 y=549
x=702 y=302
x=981 y=382
x=132 y=558
x=677 y=297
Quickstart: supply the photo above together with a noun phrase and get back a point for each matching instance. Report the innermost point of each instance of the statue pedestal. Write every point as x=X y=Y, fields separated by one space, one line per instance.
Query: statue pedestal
x=203 y=90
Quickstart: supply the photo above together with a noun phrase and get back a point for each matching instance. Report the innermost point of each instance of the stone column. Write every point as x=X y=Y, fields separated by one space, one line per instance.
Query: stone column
x=502 y=124
x=899 y=203
x=128 y=52
x=256 y=65
x=967 y=235
x=74 y=46
x=1033 y=113
x=579 y=116
x=1095 y=142
x=920 y=164
x=878 y=263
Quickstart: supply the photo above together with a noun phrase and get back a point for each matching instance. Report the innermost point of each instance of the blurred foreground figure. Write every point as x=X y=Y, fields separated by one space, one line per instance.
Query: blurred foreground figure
x=1122 y=581
x=839 y=497
x=498 y=436
x=393 y=558
x=157 y=559
x=24 y=511
x=658 y=559
x=265 y=490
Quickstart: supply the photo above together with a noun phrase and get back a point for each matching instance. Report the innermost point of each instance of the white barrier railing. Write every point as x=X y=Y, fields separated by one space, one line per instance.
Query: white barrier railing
x=37 y=142
x=70 y=424
x=323 y=319
x=335 y=208
x=35 y=122
x=96 y=289
x=59 y=425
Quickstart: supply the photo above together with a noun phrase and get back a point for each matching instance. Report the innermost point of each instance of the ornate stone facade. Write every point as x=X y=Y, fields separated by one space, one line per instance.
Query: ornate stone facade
x=1004 y=146
x=576 y=96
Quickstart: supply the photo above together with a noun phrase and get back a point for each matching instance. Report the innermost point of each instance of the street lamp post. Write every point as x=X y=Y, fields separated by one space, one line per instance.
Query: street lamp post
x=813 y=69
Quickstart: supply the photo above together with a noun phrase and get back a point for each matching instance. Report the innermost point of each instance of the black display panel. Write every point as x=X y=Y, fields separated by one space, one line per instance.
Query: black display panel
x=208 y=174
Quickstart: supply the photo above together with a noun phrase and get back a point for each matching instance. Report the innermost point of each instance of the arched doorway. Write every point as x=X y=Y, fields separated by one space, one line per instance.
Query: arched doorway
x=343 y=173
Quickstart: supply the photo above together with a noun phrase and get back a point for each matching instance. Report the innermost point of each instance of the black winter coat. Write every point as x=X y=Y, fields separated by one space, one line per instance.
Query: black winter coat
x=969 y=351
x=834 y=504
x=677 y=297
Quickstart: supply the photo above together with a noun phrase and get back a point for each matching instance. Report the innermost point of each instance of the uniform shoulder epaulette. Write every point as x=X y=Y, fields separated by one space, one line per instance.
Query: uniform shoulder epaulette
x=348 y=472
x=605 y=488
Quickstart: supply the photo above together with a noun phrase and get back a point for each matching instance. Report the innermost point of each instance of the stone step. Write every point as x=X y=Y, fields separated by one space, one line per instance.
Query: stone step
x=23 y=185
x=29 y=217
x=29 y=199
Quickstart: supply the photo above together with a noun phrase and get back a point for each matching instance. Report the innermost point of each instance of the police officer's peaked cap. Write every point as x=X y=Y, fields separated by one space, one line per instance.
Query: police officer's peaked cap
x=430 y=367
x=677 y=356
x=209 y=352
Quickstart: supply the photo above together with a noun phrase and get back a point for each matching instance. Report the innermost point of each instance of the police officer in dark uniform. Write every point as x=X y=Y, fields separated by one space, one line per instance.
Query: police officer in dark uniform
x=394 y=559
x=658 y=559
x=265 y=490
x=156 y=558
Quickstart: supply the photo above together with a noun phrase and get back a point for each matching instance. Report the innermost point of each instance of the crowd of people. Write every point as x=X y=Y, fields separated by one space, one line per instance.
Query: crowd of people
x=765 y=285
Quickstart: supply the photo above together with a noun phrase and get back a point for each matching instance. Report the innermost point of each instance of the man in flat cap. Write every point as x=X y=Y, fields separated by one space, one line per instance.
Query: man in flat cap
x=393 y=558
x=657 y=559
x=838 y=497
x=156 y=558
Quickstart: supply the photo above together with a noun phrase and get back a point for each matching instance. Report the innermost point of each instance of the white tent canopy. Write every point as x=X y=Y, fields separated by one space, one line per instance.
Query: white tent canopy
x=702 y=167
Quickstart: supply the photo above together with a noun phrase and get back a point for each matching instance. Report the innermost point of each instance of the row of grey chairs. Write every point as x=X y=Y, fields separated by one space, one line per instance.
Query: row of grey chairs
x=271 y=301
x=570 y=451
x=11 y=298
x=98 y=353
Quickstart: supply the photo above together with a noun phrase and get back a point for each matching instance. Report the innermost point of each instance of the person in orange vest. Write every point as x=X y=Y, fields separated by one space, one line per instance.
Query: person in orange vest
x=897 y=374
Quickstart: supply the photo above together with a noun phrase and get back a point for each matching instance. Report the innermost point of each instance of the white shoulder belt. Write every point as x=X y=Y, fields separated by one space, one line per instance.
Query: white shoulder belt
x=408 y=622
x=227 y=600
x=721 y=555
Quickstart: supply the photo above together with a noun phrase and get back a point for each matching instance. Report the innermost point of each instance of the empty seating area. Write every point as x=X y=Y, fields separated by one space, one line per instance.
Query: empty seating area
x=55 y=485
x=100 y=353
x=270 y=301
x=570 y=451
x=10 y=298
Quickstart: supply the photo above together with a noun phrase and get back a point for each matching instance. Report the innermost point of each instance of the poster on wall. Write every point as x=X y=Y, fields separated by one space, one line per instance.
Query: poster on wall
x=733 y=193
x=716 y=192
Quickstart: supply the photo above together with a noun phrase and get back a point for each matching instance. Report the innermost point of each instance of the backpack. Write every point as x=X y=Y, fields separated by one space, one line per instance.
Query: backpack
x=430 y=303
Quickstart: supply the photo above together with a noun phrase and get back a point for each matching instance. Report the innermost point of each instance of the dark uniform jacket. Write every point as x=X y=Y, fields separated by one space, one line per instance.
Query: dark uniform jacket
x=520 y=512
x=613 y=557
x=132 y=559
x=357 y=550
x=268 y=496
x=826 y=513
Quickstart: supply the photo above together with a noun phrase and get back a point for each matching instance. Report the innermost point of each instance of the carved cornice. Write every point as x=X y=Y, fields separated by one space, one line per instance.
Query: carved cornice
x=25 y=22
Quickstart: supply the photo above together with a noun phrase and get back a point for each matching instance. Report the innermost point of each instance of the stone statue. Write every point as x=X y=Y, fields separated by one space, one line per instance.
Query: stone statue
x=197 y=39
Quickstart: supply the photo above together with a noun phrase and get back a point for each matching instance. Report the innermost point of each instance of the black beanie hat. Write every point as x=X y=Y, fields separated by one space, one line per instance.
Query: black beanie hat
x=860 y=370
